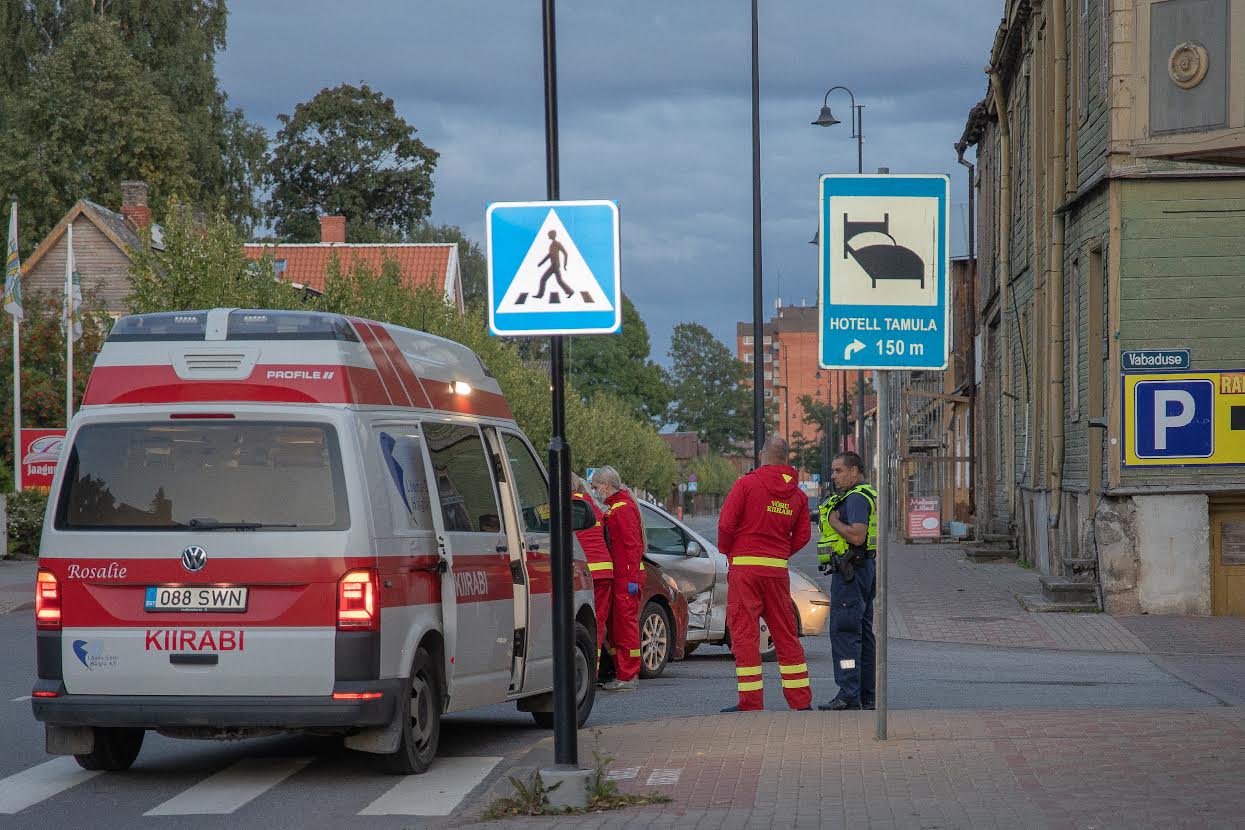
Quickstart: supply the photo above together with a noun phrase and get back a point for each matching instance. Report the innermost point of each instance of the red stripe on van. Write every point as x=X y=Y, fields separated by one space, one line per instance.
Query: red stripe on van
x=479 y=402
x=388 y=374
x=410 y=382
x=290 y=384
x=290 y=592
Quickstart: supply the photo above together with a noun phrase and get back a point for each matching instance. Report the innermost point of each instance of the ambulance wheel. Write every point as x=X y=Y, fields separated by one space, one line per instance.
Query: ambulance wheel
x=655 y=641
x=420 y=714
x=585 y=680
x=115 y=749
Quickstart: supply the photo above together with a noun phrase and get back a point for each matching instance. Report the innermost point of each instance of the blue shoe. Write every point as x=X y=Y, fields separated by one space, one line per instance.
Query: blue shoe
x=730 y=709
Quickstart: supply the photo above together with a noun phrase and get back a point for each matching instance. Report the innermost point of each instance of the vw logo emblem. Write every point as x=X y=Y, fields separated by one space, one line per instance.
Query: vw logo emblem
x=194 y=558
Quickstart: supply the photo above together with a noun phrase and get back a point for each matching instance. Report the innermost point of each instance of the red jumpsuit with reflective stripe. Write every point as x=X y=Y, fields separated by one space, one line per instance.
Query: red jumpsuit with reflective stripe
x=592 y=540
x=763 y=522
x=626 y=541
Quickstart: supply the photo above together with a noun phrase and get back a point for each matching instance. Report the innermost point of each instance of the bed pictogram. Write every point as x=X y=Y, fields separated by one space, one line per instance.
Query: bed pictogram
x=882 y=261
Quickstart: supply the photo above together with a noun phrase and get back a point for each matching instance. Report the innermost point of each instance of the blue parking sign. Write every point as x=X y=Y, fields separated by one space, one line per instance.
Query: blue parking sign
x=1175 y=418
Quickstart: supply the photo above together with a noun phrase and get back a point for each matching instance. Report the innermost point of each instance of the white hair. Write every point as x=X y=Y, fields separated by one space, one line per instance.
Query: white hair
x=607 y=476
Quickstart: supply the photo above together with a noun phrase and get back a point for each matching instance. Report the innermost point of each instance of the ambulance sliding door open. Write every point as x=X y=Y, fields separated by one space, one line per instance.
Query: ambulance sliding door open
x=515 y=546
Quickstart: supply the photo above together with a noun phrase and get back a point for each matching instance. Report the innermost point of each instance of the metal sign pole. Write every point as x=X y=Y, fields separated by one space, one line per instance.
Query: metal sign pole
x=884 y=514
x=565 y=745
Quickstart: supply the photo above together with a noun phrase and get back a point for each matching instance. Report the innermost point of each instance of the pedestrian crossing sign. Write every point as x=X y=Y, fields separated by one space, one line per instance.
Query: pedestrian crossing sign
x=553 y=268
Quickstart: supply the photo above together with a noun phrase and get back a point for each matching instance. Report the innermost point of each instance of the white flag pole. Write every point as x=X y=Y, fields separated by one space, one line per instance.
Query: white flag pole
x=69 y=327
x=17 y=400
x=16 y=315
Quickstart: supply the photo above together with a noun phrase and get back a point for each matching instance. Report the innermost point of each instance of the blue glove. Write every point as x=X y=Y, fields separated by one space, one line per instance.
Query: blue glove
x=633 y=588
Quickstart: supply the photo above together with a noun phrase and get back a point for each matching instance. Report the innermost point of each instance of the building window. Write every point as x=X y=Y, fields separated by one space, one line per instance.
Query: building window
x=747 y=358
x=769 y=375
x=747 y=339
x=768 y=339
x=768 y=357
x=769 y=393
x=1074 y=341
x=1082 y=62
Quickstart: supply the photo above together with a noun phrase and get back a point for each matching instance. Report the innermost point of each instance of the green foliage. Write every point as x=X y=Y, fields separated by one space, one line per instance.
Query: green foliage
x=43 y=368
x=89 y=118
x=347 y=152
x=714 y=475
x=472 y=261
x=25 y=521
x=710 y=397
x=619 y=364
x=174 y=42
x=531 y=798
x=203 y=267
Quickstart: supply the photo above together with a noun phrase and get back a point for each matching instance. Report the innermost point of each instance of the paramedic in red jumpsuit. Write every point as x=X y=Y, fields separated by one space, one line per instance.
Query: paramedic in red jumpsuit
x=763 y=522
x=625 y=532
x=592 y=540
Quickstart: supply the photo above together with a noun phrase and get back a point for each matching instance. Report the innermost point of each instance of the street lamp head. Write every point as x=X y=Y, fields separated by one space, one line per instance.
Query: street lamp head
x=826 y=118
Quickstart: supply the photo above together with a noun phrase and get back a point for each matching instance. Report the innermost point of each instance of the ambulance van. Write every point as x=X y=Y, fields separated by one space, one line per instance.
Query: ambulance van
x=271 y=521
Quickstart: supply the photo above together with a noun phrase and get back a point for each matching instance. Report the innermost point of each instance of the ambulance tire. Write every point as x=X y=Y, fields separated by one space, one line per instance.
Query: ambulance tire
x=420 y=713
x=585 y=680
x=115 y=749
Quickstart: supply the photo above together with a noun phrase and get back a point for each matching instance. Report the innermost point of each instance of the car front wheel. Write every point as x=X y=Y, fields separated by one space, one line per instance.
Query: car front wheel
x=656 y=641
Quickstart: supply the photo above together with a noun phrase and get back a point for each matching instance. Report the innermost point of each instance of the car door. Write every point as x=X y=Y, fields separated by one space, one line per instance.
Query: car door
x=515 y=530
x=687 y=562
x=478 y=586
x=532 y=491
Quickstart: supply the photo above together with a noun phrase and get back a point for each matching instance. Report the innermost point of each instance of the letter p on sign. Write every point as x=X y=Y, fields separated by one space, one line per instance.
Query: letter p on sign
x=1175 y=419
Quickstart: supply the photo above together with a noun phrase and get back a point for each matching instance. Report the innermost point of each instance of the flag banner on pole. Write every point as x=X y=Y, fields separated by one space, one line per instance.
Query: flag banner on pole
x=13 y=271
x=71 y=319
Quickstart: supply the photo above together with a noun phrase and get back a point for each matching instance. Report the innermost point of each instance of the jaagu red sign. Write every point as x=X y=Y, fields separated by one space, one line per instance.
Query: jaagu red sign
x=41 y=450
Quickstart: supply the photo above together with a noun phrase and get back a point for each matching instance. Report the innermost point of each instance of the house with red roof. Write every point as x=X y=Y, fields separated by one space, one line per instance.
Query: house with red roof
x=421 y=263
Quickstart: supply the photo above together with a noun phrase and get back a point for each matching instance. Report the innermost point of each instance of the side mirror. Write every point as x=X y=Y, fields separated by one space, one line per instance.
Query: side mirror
x=694 y=548
x=582 y=516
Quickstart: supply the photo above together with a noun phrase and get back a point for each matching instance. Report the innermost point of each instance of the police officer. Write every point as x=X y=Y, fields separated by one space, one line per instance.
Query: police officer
x=763 y=522
x=847 y=548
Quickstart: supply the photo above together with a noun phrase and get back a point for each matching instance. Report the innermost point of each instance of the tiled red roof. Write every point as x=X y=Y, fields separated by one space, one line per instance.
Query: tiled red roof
x=421 y=263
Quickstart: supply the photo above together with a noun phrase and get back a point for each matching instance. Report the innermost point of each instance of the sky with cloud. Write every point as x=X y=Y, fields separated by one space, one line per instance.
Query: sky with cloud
x=655 y=113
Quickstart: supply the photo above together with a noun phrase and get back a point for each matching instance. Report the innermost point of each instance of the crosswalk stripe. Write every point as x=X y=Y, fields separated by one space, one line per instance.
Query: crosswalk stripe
x=19 y=791
x=231 y=788
x=435 y=793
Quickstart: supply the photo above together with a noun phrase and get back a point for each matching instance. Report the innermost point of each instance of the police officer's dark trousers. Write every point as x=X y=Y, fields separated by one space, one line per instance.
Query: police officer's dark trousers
x=851 y=632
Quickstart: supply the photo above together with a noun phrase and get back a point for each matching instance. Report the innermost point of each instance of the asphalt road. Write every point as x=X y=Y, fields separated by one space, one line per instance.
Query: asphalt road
x=296 y=782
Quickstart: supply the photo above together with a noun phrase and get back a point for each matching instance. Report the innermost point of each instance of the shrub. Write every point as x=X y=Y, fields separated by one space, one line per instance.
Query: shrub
x=25 y=512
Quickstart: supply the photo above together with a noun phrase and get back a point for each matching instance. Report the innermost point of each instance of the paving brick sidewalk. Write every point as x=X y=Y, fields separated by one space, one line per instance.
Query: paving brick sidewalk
x=17 y=584
x=937 y=594
x=1100 y=769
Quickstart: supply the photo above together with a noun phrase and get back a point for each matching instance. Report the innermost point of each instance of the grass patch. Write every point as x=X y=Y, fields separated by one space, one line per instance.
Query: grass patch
x=1026 y=564
x=531 y=797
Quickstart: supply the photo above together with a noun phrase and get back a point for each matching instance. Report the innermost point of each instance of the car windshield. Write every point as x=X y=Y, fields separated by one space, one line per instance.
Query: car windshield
x=204 y=475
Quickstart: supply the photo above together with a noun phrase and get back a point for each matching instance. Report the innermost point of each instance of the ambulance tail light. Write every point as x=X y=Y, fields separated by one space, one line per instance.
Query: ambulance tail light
x=47 y=601
x=358 y=601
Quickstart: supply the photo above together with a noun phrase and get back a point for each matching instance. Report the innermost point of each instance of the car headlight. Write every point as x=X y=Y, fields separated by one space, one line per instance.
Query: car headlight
x=670 y=583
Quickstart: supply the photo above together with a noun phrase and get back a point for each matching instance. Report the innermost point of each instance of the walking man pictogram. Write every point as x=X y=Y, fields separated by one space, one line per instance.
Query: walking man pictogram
x=557 y=259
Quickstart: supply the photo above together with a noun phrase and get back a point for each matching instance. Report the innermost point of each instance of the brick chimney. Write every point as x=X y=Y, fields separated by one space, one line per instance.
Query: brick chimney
x=333 y=229
x=134 y=204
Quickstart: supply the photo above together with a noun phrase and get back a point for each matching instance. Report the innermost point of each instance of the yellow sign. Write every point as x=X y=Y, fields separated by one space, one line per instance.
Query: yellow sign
x=1184 y=418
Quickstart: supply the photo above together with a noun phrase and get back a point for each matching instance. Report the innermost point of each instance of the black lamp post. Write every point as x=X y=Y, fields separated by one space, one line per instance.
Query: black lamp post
x=826 y=119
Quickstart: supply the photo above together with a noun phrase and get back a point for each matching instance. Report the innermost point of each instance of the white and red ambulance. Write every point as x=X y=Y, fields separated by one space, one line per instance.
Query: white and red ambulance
x=281 y=520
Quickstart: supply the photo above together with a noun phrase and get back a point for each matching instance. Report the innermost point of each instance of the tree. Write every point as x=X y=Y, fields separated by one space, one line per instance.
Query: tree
x=471 y=259
x=43 y=368
x=89 y=118
x=710 y=397
x=347 y=152
x=619 y=364
x=203 y=266
x=175 y=42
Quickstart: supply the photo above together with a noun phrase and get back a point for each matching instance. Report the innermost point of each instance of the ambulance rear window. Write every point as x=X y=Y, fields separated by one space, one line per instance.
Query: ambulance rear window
x=183 y=325
x=288 y=325
x=204 y=475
